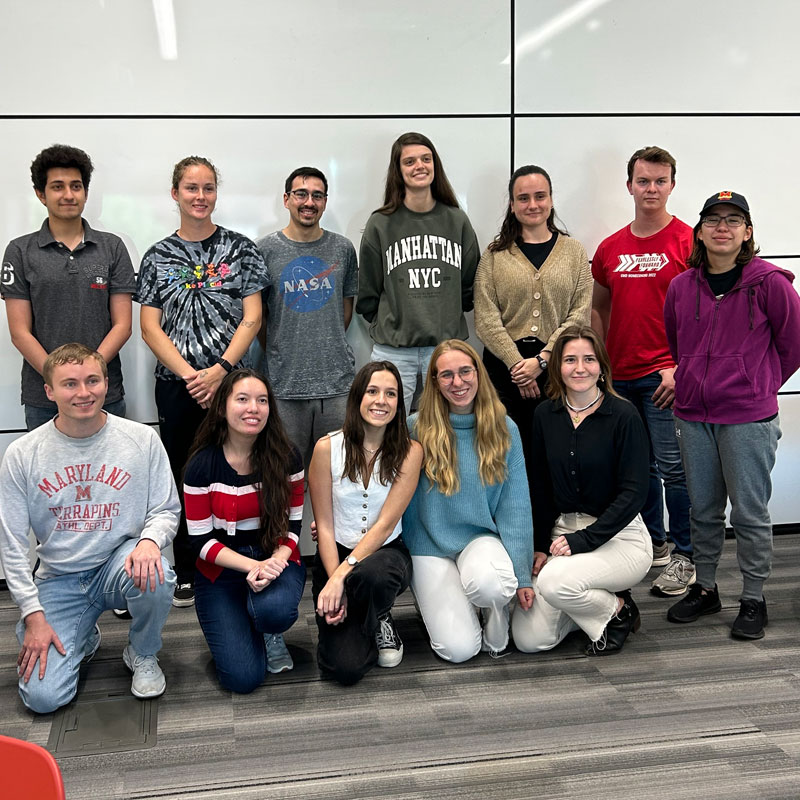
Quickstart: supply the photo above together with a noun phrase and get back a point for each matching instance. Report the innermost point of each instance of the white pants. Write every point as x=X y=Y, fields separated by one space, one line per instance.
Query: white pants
x=449 y=591
x=577 y=591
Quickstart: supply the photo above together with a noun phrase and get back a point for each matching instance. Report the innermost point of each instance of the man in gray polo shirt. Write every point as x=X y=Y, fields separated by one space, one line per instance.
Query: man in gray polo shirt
x=307 y=308
x=66 y=283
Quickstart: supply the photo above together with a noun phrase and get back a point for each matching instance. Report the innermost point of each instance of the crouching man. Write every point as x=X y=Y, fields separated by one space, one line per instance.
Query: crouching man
x=98 y=493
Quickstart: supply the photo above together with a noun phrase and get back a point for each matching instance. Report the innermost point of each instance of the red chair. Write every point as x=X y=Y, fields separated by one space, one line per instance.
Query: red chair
x=28 y=771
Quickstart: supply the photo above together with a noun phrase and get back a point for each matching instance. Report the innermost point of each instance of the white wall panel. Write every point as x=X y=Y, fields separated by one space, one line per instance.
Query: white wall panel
x=203 y=57
x=639 y=56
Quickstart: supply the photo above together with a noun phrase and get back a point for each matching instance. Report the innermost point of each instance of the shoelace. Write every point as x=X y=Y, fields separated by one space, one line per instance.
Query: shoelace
x=386 y=637
x=276 y=643
x=147 y=664
x=675 y=569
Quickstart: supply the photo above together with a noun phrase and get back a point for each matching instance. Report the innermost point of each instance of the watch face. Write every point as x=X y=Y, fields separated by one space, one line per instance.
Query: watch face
x=352 y=560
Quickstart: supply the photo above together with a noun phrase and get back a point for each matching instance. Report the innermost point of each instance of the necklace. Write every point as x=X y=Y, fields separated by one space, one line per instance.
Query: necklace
x=576 y=416
x=366 y=449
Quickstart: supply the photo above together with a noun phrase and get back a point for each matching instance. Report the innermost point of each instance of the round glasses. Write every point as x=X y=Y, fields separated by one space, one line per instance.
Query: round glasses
x=447 y=377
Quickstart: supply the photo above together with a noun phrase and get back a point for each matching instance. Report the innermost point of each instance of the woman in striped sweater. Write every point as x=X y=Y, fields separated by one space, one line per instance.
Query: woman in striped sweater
x=243 y=490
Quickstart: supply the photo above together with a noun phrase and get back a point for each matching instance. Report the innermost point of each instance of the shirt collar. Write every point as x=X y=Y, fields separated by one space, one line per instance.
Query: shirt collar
x=44 y=238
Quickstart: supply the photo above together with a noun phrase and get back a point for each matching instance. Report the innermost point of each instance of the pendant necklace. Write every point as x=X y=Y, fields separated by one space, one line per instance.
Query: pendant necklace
x=576 y=416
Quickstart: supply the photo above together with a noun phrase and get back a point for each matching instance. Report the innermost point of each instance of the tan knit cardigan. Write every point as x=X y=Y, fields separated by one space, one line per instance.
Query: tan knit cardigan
x=514 y=300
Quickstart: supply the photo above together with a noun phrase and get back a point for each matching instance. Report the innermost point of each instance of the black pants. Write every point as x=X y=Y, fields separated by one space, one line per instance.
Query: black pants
x=348 y=651
x=179 y=417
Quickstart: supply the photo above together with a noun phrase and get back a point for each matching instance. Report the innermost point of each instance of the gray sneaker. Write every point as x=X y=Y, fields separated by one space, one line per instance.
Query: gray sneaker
x=148 y=679
x=278 y=657
x=92 y=644
x=660 y=554
x=676 y=578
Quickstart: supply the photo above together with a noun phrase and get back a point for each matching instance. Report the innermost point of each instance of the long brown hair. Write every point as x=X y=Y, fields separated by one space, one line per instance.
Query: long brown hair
x=270 y=456
x=435 y=433
x=511 y=229
x=396 y=441
x=395 y=190
x=556 y=389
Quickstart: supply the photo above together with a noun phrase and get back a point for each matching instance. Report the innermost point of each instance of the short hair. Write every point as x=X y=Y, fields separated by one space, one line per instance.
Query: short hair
x=191 y=161
x=71 y=353
x=653 y=154
x=556 y=389
x=60 y=156
x=305 y=172
x=747 y=252
x=395 y=189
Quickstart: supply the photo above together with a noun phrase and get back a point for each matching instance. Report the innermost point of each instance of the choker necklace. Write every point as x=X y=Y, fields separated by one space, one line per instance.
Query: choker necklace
x=575 y=417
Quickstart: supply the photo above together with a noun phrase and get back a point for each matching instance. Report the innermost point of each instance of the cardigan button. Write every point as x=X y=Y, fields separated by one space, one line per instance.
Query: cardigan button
x=536 y=313
x=534 y=328
x=537 y=296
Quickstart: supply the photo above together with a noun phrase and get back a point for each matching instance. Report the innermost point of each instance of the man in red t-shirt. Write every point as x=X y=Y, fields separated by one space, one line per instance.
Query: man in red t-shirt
x=632 y=270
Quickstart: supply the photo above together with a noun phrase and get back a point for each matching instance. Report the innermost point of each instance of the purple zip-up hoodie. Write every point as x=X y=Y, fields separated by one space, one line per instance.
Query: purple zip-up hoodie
x=733 y=353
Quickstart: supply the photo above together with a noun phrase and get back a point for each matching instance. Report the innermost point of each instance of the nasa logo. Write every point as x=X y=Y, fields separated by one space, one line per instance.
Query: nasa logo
x=307 y=283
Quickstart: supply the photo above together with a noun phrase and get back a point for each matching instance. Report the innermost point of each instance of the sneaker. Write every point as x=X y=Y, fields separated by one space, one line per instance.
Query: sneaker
x=278 y=658
x=122 y=613
x=93 y=644
x=695 y=605
x=390 y=645
x=752 y=619
x=148 y=679
x=660 y=554
x=183 y=596
x=676 y=578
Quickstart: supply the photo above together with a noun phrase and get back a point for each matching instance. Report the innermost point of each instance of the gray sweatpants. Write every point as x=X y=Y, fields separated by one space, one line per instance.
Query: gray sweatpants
x=730 y=461
x=307 y=421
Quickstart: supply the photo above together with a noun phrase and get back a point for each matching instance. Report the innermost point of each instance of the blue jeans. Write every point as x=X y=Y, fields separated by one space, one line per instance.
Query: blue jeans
x=234 y=619
x=410 y=362
x=665 y=464
x=35 y=416
x=72 y=604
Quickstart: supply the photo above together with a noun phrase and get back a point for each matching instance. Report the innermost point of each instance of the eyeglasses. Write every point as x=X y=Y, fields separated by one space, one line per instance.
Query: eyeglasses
x=447 y=377
x=303 y=194
x=732 y=220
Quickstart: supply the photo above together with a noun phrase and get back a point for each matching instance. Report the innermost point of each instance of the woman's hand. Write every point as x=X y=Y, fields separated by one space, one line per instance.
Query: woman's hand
x=525 y=598
x=524 y=374
x=560 y=547
x=265 y=572
x=332 y=601
x=539 y=560
x=202 y=385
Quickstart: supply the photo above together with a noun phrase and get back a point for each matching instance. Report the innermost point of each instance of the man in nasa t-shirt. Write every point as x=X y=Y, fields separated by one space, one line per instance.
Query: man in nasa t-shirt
x=632 y=270
x=308 y=306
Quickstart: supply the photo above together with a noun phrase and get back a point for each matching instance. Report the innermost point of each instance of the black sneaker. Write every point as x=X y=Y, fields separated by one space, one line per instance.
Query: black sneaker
x=390 y=646
x=752 y=619
x=183 y=596
x=695 y=604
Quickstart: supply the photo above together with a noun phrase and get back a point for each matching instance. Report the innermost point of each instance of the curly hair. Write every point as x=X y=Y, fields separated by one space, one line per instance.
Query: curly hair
x=60 y=156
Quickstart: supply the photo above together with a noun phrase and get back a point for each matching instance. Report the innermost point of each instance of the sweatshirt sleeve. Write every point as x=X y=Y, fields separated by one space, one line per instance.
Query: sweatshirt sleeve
x=783 y=311
x=370 y=276
x=163 y=503
x=197 y=500
x=631 y=467
x=513 y=513
x=14 y=527
x=670 y=323
x=470 y=254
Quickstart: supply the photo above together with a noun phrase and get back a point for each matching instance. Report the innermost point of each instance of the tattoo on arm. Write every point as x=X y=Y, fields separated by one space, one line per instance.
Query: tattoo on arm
x=246 y=323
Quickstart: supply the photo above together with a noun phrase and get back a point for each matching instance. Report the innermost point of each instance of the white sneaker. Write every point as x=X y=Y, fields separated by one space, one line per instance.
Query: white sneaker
x=148 y=679
x=278 y=656
x=678 y=576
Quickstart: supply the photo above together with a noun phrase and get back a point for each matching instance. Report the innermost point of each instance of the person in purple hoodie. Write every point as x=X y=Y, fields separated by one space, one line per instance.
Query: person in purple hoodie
x=733 y=327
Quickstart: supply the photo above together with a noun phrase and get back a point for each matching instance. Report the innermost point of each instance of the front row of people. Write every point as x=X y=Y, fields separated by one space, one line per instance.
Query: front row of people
x=97 y=492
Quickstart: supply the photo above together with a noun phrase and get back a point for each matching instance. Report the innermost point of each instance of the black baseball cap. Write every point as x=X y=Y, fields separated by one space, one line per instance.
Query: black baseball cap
x=731 y=198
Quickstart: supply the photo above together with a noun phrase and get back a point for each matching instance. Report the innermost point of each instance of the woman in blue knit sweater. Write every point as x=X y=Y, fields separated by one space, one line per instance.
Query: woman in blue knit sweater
x=468 y=526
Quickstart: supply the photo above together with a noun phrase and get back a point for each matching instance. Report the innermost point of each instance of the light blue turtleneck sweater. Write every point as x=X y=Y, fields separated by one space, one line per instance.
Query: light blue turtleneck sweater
x=436 y=525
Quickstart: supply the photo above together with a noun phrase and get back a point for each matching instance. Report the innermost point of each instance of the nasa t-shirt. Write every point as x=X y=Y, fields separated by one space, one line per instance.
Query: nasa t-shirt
x=637 y=271
x=307 y=354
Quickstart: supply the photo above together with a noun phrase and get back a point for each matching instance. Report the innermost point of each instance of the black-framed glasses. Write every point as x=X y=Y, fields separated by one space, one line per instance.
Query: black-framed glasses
x=732 y=220
x=303 y=194
x=447 y=377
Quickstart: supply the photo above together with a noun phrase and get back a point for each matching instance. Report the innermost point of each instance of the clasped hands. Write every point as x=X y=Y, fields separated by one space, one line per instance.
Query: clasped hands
x=264 y=572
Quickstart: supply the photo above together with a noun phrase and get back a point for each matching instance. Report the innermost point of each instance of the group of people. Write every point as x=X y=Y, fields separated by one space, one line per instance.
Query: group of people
x=523 y=497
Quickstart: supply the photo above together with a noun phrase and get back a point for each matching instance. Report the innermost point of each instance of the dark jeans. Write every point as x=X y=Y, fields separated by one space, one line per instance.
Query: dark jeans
x=519 y=408
x=348 y=651
x=179 y=417
x=234 y=620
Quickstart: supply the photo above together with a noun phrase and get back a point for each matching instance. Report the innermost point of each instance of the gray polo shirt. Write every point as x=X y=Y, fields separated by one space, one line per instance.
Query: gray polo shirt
x=69 y=295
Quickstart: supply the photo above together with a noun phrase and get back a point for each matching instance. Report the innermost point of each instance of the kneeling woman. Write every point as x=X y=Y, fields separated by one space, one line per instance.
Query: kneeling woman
x=591 y=476
x=243 y=491
x=361 y=479
x=468 y=527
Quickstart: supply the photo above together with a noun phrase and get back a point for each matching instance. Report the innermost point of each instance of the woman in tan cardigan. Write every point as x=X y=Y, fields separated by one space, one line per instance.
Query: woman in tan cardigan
x=533 y=281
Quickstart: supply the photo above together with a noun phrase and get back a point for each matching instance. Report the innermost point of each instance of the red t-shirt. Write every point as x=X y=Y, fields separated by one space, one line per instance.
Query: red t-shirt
x=637 y=271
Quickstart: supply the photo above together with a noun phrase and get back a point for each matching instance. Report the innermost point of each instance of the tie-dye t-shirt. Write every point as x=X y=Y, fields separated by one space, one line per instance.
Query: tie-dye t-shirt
x=199 y=287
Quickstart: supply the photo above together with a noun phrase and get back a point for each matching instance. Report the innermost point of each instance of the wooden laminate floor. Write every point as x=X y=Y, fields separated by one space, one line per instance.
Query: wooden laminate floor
x=682 y=712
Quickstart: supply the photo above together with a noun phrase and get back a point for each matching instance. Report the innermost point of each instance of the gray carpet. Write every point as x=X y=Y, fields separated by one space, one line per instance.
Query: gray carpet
x=683 y=712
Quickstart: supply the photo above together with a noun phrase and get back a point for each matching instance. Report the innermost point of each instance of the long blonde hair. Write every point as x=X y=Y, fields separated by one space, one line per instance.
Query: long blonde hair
x=435 y=433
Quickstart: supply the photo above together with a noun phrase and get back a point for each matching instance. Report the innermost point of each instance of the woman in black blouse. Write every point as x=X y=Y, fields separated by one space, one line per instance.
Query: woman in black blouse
x=591 y=478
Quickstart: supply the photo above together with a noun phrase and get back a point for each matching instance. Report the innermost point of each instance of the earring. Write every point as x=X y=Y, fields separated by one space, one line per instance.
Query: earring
x=602 y=378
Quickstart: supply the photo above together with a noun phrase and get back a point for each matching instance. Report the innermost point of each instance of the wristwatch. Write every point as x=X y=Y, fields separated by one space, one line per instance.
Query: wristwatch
x=542 y=362
x=351 y=560
x=226 y=365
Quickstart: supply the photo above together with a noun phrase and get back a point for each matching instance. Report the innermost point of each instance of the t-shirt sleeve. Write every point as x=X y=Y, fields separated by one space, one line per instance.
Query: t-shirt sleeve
x=350 y=272
x=255 y=275
x=122 y=279
x=147 y=291
x=14 y=283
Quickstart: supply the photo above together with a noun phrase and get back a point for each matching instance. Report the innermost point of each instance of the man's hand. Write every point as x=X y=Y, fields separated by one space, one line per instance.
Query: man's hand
x=143 y=564
x=36 y=644
x=664 y=396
